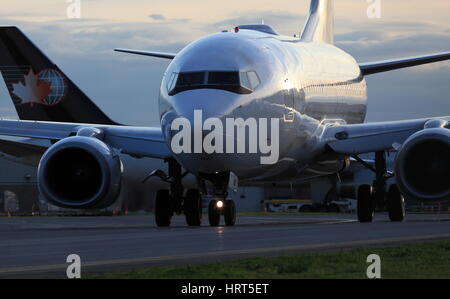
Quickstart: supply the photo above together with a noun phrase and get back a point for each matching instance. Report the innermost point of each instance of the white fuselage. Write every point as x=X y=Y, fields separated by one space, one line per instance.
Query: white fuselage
x=307 y=86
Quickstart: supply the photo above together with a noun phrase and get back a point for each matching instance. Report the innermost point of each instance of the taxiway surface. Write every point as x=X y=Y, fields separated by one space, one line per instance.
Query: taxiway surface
x=38 y=247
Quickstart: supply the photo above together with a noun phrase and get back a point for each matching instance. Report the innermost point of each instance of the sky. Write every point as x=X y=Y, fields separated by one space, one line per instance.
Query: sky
x=126 y=87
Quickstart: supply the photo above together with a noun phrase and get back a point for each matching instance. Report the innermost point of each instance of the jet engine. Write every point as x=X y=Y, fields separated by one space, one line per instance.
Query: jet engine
x=422 y=166
x=80 y=173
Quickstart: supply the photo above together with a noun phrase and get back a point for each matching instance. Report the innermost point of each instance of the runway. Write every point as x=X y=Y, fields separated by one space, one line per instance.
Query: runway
x=37 y=247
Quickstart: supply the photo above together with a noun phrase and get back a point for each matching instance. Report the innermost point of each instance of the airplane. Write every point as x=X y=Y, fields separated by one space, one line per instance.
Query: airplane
x=310 y=95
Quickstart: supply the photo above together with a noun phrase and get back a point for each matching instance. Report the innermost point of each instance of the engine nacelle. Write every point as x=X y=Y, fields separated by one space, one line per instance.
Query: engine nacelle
x=80 y=173
x=422 y=166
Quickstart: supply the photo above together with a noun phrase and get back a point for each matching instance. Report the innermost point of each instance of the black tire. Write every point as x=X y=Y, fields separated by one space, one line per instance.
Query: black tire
x=230 y=213
x=163 y=209
x=395 y=204
x=193 y=208
x=365 y=204
x=214 y=213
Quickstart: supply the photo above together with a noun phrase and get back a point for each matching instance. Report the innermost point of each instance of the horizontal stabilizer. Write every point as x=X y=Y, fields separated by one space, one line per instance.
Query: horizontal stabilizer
x=394 y=64
x=148 y=53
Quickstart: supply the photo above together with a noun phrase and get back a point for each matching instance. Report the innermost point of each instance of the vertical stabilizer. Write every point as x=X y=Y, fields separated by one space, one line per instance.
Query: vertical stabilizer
x=38 y=88
x=320 y=24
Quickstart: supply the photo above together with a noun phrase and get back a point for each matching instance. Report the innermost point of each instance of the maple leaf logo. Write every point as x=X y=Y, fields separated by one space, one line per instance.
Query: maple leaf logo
x=32 y=90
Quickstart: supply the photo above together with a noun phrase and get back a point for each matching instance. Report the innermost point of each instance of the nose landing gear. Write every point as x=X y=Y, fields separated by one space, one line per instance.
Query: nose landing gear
x=230 y=213
x=217 y=208
x=214 y=212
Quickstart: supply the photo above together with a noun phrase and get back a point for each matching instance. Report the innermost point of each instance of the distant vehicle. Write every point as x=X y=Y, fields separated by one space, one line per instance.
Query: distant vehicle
x=307 y=206
x=288 y=206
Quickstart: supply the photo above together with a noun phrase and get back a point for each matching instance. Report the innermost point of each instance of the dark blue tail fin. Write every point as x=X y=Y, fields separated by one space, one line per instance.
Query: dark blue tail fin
x=38 y=88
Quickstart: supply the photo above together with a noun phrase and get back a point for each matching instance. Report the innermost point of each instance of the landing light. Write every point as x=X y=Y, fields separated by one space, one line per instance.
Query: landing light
x=220 y=204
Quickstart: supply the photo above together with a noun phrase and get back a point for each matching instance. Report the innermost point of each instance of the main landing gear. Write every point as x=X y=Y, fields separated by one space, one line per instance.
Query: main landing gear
x=165 y=208
x=376 y=196
x=175 y=201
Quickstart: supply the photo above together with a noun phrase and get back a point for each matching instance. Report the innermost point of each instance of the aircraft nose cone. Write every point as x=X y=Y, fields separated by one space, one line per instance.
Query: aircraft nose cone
x=191 y=110
x=211 y=103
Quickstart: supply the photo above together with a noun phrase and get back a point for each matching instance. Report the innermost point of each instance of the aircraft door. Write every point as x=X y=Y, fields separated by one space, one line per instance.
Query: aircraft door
x=289 y=102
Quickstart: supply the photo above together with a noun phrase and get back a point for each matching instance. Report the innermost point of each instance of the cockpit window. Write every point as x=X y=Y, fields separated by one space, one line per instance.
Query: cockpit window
x=237 y=82
x=172 y=81
x=191 y=79
x=249 y=80
x=254 y=79
x=223 y=78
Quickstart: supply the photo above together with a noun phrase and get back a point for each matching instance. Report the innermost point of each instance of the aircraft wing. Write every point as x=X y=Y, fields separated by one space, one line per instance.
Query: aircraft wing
x=20 y=149
x=134 y=141
x=389 y=65
x=373 y=137
x=147 y=53
x=24 y=151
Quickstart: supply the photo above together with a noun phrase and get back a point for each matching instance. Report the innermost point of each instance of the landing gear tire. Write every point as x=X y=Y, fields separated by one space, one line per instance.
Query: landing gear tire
x=214 y=213
x=395 y=204
x=230 y=213
x=193 y=208
x=163 y=209
x=365 y=204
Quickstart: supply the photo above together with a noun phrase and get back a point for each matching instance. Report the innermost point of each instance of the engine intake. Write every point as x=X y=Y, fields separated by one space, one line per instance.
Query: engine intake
x=422 y=166
x=80 y=173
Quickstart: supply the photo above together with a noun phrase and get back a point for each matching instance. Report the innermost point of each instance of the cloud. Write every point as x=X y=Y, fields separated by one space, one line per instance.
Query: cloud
x=157 y=17
x=408 y=94
x=380 y=46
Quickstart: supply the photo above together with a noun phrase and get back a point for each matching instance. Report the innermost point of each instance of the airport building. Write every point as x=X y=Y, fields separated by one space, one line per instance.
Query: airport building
x=18 y=192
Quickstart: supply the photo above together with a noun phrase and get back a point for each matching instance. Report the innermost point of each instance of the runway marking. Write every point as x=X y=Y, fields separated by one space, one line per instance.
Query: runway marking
x=256 y=251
